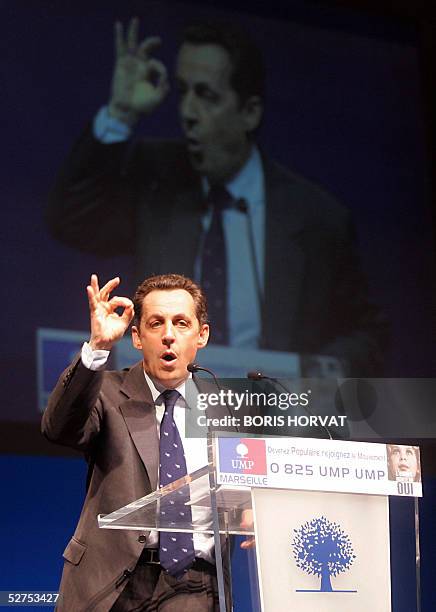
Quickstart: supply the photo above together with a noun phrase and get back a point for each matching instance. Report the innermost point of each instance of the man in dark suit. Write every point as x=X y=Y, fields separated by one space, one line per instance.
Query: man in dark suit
x=279 y=248
x=119 y=419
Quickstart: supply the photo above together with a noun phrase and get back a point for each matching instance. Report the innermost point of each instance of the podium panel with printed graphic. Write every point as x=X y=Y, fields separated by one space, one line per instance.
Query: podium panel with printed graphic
x=320 y=514
x=331 y=552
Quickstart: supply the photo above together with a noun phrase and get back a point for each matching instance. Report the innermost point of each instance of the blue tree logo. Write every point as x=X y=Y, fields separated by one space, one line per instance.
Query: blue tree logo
x=322 y=548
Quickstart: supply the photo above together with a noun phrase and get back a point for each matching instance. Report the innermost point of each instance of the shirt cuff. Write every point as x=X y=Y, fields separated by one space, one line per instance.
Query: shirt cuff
x=109 y=130
x=94 y=360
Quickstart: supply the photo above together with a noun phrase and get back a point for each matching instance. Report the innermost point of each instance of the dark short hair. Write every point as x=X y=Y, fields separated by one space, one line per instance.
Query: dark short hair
x=169 y=282
x=248 y=72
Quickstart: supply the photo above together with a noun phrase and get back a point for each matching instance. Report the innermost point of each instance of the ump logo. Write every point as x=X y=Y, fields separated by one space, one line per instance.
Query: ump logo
x=242 y=456
x=322 y=548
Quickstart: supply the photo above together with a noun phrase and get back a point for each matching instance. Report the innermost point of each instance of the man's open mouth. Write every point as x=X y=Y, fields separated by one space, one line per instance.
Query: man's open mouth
x=169 y=357
x=194 y=146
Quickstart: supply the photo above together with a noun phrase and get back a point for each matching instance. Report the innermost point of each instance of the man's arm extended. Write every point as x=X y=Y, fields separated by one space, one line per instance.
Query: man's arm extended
x=93 y=203
x=73 y=415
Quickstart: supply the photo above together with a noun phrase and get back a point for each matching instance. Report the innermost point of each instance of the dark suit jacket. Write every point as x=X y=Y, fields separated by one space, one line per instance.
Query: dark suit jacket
x=110 y=199
x=111 y=417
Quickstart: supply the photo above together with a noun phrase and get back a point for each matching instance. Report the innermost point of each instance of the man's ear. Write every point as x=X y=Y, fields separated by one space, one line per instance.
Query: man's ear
x=203 y=336
x=136 y=340
x=252 y=111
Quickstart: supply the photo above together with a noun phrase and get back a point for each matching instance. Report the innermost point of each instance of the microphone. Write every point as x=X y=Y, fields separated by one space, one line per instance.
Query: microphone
x=254 y=375
x=257 y=375
x=195 y=367
x=242 y=206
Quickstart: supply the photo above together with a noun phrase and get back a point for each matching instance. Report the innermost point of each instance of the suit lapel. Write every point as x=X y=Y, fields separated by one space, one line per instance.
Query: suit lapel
x=139 y=414
x=284 y=258
x=170 y=218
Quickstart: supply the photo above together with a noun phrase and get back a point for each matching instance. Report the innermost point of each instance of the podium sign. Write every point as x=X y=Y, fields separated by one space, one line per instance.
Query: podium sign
x=322 y=551
x=319 y=465
x=321 y=517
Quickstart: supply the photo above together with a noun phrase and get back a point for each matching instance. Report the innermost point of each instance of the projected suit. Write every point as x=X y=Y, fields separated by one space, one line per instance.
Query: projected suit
x=315 y=298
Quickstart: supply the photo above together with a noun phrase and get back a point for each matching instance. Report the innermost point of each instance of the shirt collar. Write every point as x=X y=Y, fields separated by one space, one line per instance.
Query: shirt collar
x=157 y=389
x=248 y=182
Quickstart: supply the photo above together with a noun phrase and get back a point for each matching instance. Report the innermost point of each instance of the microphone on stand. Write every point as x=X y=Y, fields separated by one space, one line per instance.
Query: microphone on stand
x=257 y=375
x=195 y=367
x=242 y=206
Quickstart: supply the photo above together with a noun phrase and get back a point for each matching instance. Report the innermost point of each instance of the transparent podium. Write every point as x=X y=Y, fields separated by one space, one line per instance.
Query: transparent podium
x=216 y=511
x=320 y=514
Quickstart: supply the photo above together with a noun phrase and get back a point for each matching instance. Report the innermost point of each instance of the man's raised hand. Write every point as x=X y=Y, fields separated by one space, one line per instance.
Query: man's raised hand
x=107 y=326
x=139 y=82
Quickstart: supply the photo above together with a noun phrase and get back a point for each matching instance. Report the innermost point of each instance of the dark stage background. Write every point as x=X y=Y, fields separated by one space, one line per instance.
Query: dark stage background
x=344 y=107
x=347 y=106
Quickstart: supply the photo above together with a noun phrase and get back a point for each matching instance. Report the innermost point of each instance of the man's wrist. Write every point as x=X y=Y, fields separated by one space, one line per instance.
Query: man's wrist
x=97 y=345
x=94 y=359
x=109 y=130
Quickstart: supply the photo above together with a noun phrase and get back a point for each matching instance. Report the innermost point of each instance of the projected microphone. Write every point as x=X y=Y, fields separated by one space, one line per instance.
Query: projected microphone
x=242 y=206
x=257 y=375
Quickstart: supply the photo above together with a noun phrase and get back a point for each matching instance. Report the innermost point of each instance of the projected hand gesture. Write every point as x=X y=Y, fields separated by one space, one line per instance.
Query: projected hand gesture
x=139 y=82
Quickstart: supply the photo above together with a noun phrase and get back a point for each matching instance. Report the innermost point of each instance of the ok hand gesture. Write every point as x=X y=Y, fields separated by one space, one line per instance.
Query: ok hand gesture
x=107 y=327
x=140 y=82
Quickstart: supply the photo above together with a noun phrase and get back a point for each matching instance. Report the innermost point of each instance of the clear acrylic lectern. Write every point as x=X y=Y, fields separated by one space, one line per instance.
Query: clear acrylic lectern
x=358 y=541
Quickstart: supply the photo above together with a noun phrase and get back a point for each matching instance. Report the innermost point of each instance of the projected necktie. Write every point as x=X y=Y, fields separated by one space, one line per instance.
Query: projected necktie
x=176 y=550
x=214 y=266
